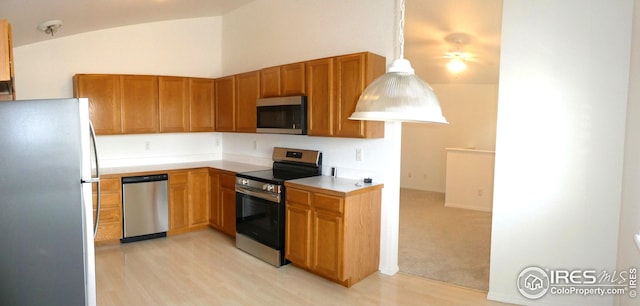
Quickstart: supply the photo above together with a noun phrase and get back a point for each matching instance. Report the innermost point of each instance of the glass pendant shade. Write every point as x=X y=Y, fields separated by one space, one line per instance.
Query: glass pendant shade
x=399 y=95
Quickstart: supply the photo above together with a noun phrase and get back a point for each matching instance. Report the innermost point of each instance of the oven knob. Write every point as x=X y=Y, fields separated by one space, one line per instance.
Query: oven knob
x=267 y=187
x=244 y=182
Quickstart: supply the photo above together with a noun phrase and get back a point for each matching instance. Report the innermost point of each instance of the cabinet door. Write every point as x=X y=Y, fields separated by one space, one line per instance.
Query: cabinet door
x=293 y=79
x=139 y=104
x=6 y=59
x=297 y=233
x=110 y=224
x=228 y=203
x=198 y=197
x=174 y=104
x=320 y=96
x=270 y=82
x=103 y=92
x=247 y=92
x=5 y=50
x=178 y=201
x=352 y=74
x=225 y=104
x=350 y=83
x=328 y=237
x=215 y=208
x=201 y=99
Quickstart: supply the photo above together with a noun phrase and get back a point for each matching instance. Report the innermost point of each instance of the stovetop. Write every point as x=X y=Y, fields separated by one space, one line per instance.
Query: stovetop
x=274 y=175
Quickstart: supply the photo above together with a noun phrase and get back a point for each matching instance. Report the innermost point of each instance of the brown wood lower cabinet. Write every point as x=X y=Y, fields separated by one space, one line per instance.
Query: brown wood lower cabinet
x=222 y=214
x=110 y=225
x=188 y=200
x=333 y=234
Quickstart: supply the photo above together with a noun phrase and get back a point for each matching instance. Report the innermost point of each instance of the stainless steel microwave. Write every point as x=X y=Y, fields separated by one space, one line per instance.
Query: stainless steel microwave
x=282 y=115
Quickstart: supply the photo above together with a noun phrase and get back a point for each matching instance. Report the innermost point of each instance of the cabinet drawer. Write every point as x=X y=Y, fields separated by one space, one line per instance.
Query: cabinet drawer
x=328 y=203
x=109 y=185
x=298 y=196
x=178 y=178
x=228 y=181
x=108 y=200
x=109 y=215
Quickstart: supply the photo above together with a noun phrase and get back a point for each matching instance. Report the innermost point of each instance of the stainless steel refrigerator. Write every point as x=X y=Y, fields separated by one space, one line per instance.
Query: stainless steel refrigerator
x=46 y=211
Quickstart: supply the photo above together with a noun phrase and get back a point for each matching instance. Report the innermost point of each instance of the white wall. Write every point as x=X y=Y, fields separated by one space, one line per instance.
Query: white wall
x=471 y=110
x=272 y=32
x=560 y=141
x=268 y=33
x=187 y=47
x=628 y=253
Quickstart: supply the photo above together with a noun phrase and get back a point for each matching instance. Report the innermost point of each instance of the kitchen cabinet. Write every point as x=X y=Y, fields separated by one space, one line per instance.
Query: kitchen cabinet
x=103 y=91
x=134 y=104
x=225 y=104
x=352 y=75
x=7 y=87
x=198 y=189
x=173 y=99
x=247 y=92
x=188 y=200
x=222 y=214
x=334 y=92
x=285 y=80
x=333 y=234
x=139 y=95
x=320 y=98
x=201 y=105
x=178 y=202
x=110 y=224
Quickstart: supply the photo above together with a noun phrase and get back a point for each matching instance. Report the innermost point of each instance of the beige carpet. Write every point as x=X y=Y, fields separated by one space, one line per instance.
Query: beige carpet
x=445 y=244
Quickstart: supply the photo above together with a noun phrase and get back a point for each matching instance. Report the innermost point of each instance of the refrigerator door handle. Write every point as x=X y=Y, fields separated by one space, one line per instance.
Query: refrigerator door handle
x=95 y=179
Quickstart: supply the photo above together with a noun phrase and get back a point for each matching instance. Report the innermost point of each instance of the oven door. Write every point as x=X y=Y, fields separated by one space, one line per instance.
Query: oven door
x=260 y=219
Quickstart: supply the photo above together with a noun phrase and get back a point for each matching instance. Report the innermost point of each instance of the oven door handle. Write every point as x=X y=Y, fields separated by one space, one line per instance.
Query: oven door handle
x=265 y=196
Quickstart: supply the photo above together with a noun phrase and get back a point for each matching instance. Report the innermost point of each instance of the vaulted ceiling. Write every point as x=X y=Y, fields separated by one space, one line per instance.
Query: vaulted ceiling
x=428 y=22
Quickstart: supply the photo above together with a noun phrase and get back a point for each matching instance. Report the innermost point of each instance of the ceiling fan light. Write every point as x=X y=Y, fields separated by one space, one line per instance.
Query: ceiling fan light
x=399 y=95
x=456 y=65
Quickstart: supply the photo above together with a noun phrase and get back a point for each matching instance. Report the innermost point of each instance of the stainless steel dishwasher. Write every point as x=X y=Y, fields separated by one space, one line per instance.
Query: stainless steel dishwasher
x=145 y=207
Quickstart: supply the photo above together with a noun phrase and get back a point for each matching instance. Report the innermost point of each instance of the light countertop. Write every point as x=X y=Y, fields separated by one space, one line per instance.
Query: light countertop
x=217 y=164
x=340 y=186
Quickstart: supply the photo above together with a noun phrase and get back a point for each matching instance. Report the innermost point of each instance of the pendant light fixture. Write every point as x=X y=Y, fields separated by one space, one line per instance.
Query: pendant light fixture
x=399 y=94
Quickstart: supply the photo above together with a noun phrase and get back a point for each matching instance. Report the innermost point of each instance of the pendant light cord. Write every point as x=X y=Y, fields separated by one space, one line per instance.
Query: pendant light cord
x=401 y=30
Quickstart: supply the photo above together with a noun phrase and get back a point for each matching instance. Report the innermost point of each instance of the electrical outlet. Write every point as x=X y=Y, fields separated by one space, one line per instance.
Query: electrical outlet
x=359 y=154
x=255 y=145
x=147 y=145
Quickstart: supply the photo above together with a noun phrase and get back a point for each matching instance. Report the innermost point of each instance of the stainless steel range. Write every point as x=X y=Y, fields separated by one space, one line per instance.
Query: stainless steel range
x=260 y=202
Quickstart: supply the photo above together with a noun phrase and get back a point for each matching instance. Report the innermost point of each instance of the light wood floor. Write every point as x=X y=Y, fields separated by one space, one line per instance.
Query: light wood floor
x=205 y=268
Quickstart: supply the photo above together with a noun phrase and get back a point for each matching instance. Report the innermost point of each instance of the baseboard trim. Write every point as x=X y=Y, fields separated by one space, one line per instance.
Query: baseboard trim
x=454 y=205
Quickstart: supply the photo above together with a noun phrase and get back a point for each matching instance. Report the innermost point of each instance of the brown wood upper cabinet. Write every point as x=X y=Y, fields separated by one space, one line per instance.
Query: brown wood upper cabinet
x=139 y=94
x=247 y=92
x=186 y=104
x=174 y=104
x=333 y=88
x=320 y=97
x=103 y=91
x=225 y=104
x=281 y=81
x=235 y=102
x=7 y=89
x=201 y=99
x=134 y=104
